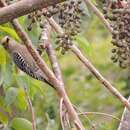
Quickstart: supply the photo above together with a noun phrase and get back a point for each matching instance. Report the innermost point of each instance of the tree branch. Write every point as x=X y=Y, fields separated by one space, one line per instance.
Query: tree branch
x=23 y=7
x=45 y=43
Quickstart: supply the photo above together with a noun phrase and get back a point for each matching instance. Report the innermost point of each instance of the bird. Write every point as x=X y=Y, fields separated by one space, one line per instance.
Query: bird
x=23 y=59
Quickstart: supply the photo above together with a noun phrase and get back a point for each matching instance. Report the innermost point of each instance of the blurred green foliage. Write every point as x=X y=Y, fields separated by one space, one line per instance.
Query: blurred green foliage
x=82 y=87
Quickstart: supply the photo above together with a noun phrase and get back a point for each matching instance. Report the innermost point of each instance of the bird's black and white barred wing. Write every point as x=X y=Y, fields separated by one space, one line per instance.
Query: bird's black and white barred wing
x=25 y=67
x=23 y=59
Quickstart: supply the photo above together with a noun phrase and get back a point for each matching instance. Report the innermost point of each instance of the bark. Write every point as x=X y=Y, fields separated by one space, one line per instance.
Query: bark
x=23 y=7
x=125 y=121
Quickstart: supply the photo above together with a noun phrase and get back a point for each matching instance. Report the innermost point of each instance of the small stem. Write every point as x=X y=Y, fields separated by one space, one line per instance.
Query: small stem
x=30 y=108
x=61 y=114
x=99 y=113
x=99 y=14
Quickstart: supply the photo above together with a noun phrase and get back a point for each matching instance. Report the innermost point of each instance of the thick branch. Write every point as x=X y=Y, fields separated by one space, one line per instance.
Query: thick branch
x=23 y=7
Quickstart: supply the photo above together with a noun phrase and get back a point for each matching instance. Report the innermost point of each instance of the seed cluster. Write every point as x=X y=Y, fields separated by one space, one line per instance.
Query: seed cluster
x=119 y=16
x=33 y=18
x=68 y=14
x=63 y=42
x=38 y=16
x=69 y=17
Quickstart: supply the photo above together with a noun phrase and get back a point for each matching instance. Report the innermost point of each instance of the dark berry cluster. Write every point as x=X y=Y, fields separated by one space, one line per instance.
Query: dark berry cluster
x=38 y=16
x=33 y=18
x=68 y=14
x=63 y=42
x=69 y=17
x=119 y=16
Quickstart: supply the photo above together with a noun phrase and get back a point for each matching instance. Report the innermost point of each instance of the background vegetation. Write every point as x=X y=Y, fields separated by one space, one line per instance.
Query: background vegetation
x=83 y=89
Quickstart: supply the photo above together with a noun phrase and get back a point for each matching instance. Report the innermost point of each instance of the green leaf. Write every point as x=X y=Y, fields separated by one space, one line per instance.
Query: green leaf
x=3 y=118
x=94 y=1
x=11 y=95
x=21 y=124
x=83 y=43
x=9 y=31
x=21 y=100
x=33 y=85
x=7 y=74
x=2 y=56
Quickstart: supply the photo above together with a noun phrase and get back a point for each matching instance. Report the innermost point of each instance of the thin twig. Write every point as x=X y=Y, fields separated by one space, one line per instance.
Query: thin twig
x=61 y=114
x=30 y=108
x=99 y=15
x=99 y=113
x=90 y=66
x=90 y=122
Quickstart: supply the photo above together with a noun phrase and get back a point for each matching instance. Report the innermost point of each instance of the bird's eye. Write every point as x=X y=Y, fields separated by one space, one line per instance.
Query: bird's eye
x=7 y=39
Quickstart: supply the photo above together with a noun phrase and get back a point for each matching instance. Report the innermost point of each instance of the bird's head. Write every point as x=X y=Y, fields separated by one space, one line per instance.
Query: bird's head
x=5 y=42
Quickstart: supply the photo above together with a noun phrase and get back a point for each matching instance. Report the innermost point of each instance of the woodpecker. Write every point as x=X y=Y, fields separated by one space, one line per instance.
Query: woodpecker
x=23 y=59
